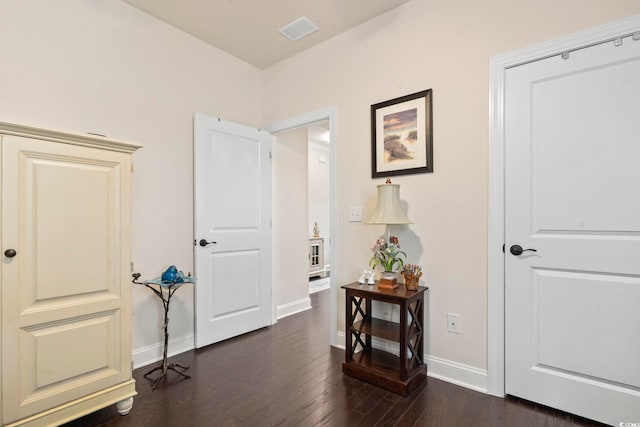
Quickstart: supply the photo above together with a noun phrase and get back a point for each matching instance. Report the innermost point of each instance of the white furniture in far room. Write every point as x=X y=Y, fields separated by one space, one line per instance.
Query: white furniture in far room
x=65 y=276
x=316 y=257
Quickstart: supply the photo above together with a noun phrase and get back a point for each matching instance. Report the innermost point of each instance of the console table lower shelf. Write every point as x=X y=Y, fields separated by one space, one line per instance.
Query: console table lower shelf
x=400 y=374
x=380 y=368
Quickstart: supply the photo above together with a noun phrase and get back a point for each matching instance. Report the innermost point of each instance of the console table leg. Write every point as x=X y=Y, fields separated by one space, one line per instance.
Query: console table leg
x=348 y=352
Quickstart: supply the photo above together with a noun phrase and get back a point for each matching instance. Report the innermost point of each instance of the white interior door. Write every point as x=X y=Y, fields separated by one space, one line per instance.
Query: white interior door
x=572 y=192
x=233 y=213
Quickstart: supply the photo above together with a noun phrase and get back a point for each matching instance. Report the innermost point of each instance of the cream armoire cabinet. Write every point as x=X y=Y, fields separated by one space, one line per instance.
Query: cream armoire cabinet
x=65 y=279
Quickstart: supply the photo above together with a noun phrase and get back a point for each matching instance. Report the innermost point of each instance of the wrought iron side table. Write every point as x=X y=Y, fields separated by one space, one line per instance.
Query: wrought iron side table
x=164 y=291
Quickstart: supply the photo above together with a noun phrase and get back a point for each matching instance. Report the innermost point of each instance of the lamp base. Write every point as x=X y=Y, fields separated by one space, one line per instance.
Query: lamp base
x=388 y=283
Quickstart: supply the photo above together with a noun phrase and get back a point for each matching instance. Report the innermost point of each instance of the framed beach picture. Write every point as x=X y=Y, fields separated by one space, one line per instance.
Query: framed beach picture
x=402 y=135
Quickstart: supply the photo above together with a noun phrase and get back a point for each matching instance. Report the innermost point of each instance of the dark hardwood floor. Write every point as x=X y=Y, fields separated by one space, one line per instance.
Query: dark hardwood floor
x=287 y=375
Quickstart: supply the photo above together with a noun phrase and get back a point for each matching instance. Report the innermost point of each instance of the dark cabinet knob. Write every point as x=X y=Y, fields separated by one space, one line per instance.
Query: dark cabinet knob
x=203 y=243
x=10 y=253
x=517 y=250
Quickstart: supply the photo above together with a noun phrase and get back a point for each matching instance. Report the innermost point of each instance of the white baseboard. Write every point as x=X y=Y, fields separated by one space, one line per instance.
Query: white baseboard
x=457 y=373
x=341 y=337
x=386 y=345
x=443 y=369
x=293 y=307
x=146 y=355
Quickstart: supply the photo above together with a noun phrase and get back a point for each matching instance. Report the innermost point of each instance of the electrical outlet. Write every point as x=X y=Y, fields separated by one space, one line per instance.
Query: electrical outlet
x=453 y=323
x=355 y=214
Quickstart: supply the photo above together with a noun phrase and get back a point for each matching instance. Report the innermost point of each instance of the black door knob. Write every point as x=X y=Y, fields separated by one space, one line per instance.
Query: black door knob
x=204 y=243
x=517 y=250
x=10 y=253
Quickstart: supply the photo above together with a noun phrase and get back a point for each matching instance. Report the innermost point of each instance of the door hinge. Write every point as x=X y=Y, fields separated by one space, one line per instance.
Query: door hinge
x=131 y=167
x=270 y=155
x=503 y=248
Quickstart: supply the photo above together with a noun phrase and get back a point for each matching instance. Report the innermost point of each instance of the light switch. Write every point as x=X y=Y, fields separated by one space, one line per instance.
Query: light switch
x=355 y=213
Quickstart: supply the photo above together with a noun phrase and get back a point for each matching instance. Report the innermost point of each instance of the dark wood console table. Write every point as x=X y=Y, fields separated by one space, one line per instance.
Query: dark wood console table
x=398 y=374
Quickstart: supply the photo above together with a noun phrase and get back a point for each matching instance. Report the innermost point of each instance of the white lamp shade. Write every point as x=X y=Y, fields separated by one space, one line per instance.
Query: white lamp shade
x=388 y=210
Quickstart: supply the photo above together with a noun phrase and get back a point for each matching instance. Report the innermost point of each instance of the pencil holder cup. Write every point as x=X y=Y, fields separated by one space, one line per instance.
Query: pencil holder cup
x=411 y=281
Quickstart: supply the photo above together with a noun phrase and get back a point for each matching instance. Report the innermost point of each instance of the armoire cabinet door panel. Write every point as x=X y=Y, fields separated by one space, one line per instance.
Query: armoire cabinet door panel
x=68 y=307
x=80 y=220
x=66 y=294
x=70 y=359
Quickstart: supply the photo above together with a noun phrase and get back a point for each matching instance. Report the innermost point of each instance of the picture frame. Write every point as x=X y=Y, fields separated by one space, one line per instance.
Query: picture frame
x=402 y=135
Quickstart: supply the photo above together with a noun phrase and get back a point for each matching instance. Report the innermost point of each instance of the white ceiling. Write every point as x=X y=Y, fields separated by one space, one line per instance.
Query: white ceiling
x=248 y=29
x=318 y=133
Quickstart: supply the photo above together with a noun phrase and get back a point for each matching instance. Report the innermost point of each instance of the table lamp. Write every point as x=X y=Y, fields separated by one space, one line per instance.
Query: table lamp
x=388 y=211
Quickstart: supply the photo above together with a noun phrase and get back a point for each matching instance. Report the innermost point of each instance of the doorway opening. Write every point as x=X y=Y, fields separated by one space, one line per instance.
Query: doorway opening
x=319 y=220
x=289 y=196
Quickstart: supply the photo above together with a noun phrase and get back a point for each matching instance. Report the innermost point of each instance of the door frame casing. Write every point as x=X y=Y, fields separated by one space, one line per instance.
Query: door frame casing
x=306 y=119
x=496 y=227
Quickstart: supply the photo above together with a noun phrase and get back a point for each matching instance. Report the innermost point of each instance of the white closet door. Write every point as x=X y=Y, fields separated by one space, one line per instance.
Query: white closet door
x=573 y=194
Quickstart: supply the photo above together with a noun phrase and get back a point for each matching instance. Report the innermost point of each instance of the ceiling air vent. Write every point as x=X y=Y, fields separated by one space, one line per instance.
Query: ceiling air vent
x=298 y=29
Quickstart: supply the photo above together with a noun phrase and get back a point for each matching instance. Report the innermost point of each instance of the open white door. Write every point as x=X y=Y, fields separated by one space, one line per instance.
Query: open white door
x=572 y=193
x=232 y=181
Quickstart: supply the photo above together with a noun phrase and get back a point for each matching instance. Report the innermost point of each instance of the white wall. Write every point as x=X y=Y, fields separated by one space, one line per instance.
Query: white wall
x=445 y=46
x=319 y=193
x=102 y=66
x=290 y=213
